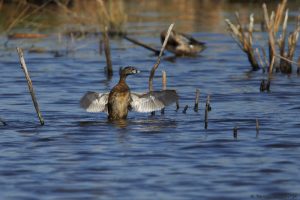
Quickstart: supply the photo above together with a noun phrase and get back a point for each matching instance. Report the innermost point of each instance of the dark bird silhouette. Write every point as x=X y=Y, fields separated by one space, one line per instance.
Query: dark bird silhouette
x=120 y=99
x=182 y=44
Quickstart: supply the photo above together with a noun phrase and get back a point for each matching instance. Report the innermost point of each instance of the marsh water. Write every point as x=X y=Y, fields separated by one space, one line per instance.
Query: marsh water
x=79 y=155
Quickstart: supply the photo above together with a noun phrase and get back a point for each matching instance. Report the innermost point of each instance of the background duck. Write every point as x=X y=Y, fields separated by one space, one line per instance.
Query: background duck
x=120 y=99
x=182 y=44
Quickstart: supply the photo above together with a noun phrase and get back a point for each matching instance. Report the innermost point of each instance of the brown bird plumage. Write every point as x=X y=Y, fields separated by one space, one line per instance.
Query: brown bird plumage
x=120 y=99
x=182 y=44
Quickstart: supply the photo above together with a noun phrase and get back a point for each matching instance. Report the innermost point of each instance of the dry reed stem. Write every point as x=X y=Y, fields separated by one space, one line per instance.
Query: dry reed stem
x=271 y=66
x=30 y=86
x=245 y=41
x=142 y=45
x=290 y=61
x=257 y=128
x=281 y=41
x=270 y=27
x=207 y=109
x=235 y=132
x=164 y=80
x=279 y=14
x=23 y=15
x=152 y=73
x=196 y=107
x=109 y=69
x=164 y=86
x=185 y=109
x=260 y=59
x=177 y=105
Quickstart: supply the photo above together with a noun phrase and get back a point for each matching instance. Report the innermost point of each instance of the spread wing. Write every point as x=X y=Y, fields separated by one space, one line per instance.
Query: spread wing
x=94 y=102
x=153 y=101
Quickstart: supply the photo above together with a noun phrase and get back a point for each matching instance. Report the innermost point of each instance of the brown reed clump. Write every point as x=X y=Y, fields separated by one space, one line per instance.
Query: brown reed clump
x=244 y=39
x=90 y=16
x=277 y=47
x=95 y=14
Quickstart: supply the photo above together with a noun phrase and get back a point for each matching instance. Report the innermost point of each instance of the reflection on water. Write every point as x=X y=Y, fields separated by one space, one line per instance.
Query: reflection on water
x=151 y=124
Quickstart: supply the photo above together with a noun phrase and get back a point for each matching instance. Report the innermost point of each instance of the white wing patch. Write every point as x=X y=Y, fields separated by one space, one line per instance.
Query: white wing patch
x=94 y=102
x=153 y=101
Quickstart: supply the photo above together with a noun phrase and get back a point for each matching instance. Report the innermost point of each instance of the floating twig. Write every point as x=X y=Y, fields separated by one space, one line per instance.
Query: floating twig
x=185 y=109
x=30 y=86
x=257 y=128
x=196 y=107
x=142 y=44
x=109 y=69
x=158 y=59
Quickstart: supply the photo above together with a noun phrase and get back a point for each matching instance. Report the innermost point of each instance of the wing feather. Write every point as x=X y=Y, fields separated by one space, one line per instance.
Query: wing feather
x=153 y=101
x=94 y=102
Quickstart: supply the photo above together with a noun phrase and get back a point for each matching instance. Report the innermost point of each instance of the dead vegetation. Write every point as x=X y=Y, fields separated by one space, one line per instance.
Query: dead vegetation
x=276 y=26
x=78 y=18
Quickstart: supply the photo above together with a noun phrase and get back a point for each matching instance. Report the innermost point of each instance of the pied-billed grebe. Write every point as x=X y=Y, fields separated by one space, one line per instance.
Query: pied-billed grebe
x=119 y=100
x=182 y=44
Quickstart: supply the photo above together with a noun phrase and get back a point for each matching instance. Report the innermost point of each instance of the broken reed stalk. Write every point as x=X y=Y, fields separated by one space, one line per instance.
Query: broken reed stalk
x=109 y=69
x=207 y=109
x=244 y=40
x=177 y=105
x=100 y=46
x=271 y=66
x=279 y=14
x=257 y=128
x=30 y=86
x=152 y=73
x=164 y=86
x=235 y=132
x=196 y=107
x=269 y=21
x=260 y=59
x=185 y=109
x=142 y=44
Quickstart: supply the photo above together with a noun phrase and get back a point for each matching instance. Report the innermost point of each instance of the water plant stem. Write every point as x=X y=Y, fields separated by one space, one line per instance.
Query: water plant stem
x=185 y=109
x=196 y=107
x=109 y=70
x=164 y=86
x=152 y=73
x=142 y=44
x=207 y=109
x=30 y=86
x=235 y=132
